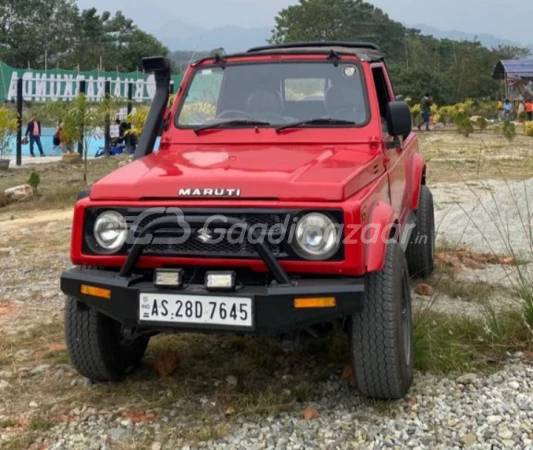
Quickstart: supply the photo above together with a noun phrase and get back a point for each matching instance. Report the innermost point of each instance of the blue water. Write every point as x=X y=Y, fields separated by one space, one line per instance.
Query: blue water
x=47 y=139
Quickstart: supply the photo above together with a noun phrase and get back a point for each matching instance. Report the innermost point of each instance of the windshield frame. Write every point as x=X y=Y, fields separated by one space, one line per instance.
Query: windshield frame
x=212 y=64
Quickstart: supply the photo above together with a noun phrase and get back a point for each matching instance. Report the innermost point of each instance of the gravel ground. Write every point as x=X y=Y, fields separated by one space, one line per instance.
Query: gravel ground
x=497 y=221
x=479 y=412
x=492 y=411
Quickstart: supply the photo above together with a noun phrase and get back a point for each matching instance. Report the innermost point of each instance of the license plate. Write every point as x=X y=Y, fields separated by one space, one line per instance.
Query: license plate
x=193 y=309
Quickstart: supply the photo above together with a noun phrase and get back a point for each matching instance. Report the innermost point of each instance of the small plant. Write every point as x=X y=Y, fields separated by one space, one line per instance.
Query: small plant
x=136 y=119
x=482 y=123
x=464 y=125
x=8 y=129
x=528 y=128
x=509 y=130
x=34 y=180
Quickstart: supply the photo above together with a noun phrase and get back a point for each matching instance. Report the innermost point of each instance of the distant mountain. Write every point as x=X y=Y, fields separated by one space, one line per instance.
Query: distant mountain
x=178 y=35
x=488 y=40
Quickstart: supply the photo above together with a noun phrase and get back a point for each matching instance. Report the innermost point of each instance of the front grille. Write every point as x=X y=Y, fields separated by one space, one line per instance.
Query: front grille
x=224 y=247
x=274 y=221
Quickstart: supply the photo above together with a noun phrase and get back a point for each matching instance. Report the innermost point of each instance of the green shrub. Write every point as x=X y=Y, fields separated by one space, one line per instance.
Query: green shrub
x=464 y=125
x=482 y=123
x=509 y=130
x=34 y=180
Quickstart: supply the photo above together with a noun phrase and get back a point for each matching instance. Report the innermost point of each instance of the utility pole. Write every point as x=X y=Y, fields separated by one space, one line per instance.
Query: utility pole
x=406 y=53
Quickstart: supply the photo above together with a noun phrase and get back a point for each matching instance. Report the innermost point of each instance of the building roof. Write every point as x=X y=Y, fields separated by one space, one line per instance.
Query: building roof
x=520 y=67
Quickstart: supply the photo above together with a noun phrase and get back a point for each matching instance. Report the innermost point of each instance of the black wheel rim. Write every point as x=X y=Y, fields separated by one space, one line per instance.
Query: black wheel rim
x=406 y=318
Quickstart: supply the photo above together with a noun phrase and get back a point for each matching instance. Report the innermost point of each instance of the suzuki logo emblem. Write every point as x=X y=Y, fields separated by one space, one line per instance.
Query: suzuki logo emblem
x=205 y=235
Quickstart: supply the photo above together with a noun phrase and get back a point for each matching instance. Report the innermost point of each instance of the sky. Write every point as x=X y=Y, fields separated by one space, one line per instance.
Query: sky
x=506 y=19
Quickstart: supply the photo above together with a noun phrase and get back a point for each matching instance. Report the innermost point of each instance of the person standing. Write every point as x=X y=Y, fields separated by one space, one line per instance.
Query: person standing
x=57 y=141
x=529 y=109
x=34 y=132
x=425 y=110
x=507 y=109
x=499 y=107
x=521 y=109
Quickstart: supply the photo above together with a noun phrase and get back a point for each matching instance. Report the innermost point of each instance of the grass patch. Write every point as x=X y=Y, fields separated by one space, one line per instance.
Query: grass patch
x=7 y=423
x=35 y=341
x=524 y=293
x=60 y=182
x=443 y=343
x=21 y=442
x=40 y=424
x=466 y=290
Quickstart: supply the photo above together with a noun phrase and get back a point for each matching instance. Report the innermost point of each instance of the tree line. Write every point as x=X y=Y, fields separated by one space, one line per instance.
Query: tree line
x=451 y=70
x=56 y=33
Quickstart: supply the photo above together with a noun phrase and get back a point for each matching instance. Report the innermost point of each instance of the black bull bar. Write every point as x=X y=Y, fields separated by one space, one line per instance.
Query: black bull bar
x=203 y=222
x=273 y=307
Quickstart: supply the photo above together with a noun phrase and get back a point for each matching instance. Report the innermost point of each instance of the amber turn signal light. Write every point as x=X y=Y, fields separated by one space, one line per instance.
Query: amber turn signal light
x=96 y=292
x=315 y=302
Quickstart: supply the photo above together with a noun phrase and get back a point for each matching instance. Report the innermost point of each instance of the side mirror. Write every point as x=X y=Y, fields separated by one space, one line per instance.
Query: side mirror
x=399 y=98
x=399 y=119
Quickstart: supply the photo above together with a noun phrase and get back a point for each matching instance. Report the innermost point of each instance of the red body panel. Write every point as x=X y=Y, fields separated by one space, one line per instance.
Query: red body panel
x=312 y=168
x=297 y=172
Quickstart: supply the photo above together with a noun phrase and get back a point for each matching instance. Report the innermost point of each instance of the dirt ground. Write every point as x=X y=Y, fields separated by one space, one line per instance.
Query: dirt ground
x=218 y=380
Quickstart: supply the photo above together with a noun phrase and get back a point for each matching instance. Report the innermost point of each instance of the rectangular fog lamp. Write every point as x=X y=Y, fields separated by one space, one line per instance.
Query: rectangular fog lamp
x=224 y=281
x=168 y=277
x=315 y=302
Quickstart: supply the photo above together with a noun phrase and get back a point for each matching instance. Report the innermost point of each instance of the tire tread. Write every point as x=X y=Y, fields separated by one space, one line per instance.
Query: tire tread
x=93 y=347
x=377 y=354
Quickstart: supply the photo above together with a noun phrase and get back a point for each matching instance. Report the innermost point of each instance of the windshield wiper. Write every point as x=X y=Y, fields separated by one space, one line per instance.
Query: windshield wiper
x=229 y=123
x=317 y=121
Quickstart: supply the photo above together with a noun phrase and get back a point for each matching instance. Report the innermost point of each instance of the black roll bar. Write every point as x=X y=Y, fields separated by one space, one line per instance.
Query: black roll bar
x=205 y=222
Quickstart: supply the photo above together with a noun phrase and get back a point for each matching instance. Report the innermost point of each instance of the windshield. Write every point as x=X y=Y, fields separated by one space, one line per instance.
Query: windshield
x=275 y=94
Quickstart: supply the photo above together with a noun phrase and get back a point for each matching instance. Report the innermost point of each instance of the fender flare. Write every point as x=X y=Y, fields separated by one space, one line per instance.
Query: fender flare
x=418 y=178
x=384 y=223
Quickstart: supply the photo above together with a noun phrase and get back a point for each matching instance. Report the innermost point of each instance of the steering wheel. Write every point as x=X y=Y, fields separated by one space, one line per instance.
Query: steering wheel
x=234 y=114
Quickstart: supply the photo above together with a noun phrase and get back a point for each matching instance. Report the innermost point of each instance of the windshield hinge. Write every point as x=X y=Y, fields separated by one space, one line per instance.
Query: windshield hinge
x=220 y=59
x=334 y=55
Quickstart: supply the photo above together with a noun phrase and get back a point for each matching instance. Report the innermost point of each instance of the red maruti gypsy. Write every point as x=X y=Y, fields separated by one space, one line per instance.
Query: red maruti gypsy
x=287 y=193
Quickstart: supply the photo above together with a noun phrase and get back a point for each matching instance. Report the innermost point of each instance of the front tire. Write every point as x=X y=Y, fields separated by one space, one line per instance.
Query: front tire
x=381 y=335
x=97 y=346
x=420 y=252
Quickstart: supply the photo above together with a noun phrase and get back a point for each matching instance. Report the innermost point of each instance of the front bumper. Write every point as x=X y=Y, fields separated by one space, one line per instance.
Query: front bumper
x=272 y=307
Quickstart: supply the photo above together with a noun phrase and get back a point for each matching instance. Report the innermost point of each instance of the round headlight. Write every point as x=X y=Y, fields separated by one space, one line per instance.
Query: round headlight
x=317 y=237
x=110 y=231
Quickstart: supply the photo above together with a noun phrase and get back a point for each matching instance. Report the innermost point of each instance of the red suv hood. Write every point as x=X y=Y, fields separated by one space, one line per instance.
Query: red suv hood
x=304 y=173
